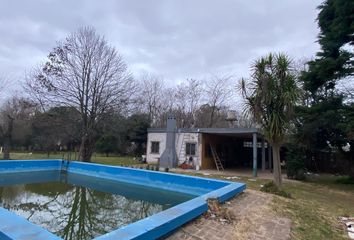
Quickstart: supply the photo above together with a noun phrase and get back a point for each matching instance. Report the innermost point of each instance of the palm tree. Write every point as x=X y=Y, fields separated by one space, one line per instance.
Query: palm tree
x=270 y=98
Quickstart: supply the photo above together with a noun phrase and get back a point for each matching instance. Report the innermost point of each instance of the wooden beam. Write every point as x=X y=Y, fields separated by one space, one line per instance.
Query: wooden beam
x=263 y=154
x=254 y=145
x=270 y=157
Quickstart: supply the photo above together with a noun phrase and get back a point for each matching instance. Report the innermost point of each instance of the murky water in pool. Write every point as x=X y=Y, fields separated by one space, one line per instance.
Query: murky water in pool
x=79 y=207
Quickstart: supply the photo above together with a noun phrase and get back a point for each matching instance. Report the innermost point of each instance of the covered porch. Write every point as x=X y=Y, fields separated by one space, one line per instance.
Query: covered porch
x=237 y=148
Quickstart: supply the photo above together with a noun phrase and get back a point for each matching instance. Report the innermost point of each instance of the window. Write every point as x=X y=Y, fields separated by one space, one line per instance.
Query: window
x=247 y=144
x=190 y=149
x=155 y=147
x=250 y=144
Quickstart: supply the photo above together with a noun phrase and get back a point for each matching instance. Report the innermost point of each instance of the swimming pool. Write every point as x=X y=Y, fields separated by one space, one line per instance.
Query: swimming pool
x=125 y=203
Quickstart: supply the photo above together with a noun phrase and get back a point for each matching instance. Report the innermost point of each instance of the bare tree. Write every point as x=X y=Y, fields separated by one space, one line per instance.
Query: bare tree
x=152 y=90
x=187 y=99
x=86 y=73
x=180 y=105
x=218 y=93
x=167 y=106
x=219 y=119
x=193 y=102
x=4 y=82
x=194 y=91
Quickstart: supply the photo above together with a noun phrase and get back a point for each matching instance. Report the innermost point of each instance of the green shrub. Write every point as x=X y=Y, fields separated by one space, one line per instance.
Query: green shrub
x=295 y=162
x=345 y=180
x=270 y=187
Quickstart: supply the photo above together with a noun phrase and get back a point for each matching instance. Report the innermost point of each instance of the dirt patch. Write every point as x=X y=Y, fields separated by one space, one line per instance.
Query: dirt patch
x=257 y=220
x=247 y=216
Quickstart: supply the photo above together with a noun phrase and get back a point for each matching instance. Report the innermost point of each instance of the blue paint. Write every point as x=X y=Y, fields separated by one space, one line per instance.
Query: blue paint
x=226 y=192
x=161 y=223
x=29 y=165
x=13 y=178
x=152 y=227
x=168 y=181
x=16 y=227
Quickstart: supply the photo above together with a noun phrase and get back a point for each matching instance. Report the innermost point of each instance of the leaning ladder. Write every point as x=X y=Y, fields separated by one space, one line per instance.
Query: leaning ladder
x=217 y=160
x=182 y=150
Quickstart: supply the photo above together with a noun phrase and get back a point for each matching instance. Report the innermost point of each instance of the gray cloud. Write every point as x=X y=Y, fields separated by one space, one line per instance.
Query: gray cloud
x=177 y=39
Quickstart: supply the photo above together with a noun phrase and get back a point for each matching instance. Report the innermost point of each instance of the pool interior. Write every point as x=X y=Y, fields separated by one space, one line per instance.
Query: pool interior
x=76 y=206
x=164 y=189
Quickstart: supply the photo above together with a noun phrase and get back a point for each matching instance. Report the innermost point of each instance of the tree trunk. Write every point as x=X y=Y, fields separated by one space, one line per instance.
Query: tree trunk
x=7 y=138
x=351 y=166
x=351 y=173
x=86 y=149
x=6 y=149
x=276 y=164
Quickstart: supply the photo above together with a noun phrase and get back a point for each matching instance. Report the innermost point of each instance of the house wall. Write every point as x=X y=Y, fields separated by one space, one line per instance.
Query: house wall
x=229 y=148
x=181 y=140
x=153 y=158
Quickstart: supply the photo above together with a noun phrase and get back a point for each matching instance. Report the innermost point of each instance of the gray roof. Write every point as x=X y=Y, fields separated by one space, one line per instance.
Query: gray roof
x=209 y=130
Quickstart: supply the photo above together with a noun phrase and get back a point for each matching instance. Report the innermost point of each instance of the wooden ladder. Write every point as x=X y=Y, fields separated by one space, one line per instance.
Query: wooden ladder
x=217 y=160
x=182 y=150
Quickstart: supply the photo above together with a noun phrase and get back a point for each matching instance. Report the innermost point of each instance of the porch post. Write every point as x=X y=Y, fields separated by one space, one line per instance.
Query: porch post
x=254 y=154
x=263 y=155
x=270 y=157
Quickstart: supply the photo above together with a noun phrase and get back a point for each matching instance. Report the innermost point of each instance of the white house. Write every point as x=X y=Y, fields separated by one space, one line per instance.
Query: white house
x=187 y=146
x=197 y=147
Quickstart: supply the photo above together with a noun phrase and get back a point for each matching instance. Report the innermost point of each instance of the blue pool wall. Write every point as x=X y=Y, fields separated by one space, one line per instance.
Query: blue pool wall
x=152 y=227
x=29 y=165
x=167 y=181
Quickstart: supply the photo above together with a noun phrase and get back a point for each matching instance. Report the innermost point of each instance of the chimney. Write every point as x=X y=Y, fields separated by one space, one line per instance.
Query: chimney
x=168 y=158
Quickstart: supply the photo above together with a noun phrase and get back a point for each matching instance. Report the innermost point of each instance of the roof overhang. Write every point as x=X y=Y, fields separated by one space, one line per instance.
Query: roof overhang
x=218 y=131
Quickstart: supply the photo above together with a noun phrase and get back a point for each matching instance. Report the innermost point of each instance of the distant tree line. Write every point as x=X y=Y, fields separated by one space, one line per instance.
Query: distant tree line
x=83 y=98
x=25 y=127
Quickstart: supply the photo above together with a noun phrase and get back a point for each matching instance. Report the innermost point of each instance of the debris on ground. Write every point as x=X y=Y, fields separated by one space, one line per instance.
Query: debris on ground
x=350 y=229
x=230 y=178
x=253 y=218
x=219 y=212
x=349 y=224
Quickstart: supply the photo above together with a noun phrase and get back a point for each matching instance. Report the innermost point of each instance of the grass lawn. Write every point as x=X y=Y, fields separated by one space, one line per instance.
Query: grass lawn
x=314 y=206
x=96 y=158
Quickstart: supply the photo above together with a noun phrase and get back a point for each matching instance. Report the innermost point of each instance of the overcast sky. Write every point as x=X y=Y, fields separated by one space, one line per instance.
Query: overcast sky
x=177 y=39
